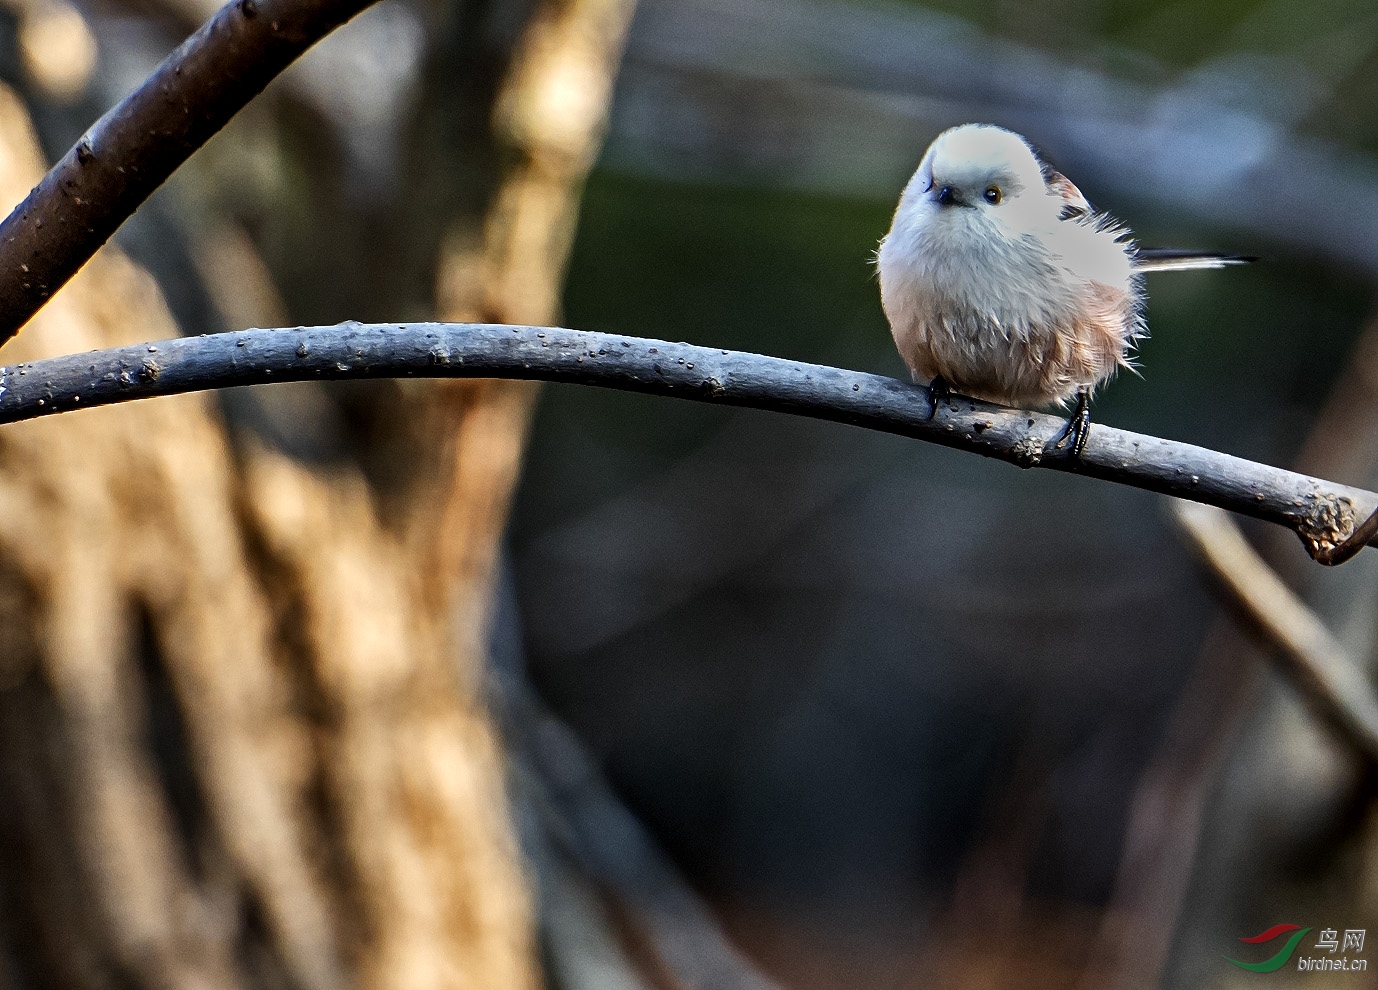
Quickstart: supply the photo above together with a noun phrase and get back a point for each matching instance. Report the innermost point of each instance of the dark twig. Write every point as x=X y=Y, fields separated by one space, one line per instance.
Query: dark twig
x=1321 y=513
x=1312 y=658
x=132 y=150
x=585 y=819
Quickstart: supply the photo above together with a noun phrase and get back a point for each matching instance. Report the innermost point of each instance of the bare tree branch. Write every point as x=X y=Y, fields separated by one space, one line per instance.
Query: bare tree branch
x=1321 y=513
x=132 y=150
x=1312 y=658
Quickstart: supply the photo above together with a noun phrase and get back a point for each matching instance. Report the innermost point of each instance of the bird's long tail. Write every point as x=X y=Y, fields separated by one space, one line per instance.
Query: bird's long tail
x=1173 y=260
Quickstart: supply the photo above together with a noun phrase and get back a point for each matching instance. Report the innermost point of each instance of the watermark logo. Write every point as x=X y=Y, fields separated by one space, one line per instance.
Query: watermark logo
x=1330 y=941
x=1283 y=954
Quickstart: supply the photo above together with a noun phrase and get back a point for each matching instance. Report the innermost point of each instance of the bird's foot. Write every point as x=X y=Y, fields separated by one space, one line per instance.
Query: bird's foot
x=939 y=391
x=1078 y=428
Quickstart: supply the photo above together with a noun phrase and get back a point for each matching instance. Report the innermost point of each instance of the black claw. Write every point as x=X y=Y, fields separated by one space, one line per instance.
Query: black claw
x=1078 y=428
x=939 y=391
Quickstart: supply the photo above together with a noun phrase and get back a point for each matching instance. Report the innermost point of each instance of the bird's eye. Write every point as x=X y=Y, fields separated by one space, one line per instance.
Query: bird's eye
x=993 y=195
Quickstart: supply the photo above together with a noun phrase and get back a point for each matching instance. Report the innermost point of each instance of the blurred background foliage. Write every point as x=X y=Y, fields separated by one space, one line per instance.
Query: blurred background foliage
x=899 y=712
x=787 y=702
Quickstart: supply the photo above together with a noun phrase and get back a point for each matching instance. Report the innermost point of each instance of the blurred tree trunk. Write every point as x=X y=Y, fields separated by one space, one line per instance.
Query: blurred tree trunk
x=242 y=732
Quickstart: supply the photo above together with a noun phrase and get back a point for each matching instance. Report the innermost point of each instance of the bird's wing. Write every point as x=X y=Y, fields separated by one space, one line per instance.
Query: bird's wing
x=1173 y=260
x=1074 y=204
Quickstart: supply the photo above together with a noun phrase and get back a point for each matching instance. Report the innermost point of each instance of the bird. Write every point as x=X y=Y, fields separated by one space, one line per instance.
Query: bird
x=1002 y=282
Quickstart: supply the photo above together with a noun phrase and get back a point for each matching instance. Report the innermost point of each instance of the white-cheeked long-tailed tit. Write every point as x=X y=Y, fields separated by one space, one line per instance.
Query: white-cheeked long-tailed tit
x=1001 y=282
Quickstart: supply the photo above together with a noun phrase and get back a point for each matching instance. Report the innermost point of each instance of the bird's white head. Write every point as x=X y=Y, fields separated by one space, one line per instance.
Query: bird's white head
x=981 y=167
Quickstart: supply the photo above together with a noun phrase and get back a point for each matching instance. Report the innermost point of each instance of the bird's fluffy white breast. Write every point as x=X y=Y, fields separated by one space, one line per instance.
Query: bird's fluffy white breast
x=1016 y=269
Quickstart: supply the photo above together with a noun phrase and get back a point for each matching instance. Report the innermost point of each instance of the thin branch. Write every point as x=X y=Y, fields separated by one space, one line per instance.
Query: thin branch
x=133 y=149
x=582 y=816
x=1321 y=513
x=1313 y=659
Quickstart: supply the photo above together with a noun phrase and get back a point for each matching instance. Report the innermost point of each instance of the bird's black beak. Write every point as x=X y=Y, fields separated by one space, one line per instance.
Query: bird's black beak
x=947 y=196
